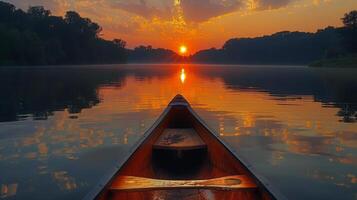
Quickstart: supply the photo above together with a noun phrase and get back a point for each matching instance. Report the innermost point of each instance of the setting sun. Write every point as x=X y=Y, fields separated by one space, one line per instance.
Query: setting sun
x=175 y=92
x=183 y=49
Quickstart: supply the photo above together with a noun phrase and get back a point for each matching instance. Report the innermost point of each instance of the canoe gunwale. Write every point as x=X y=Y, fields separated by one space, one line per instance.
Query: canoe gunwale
x=275 y=193
x=107 y=179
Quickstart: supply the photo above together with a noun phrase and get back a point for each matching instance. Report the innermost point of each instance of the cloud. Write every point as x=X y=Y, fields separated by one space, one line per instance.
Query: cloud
x=51 y=5
x=172 y=21
x=318 y=2
x=145 y=8
x=267 y=4
x=191 y=11
x=202 y=10
x=194 y=11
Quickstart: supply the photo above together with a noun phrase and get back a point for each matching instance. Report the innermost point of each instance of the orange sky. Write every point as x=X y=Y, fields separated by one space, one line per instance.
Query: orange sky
x=199 y=24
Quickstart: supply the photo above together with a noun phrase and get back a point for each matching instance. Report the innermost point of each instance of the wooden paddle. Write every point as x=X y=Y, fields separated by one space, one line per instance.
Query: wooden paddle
x=126 y=183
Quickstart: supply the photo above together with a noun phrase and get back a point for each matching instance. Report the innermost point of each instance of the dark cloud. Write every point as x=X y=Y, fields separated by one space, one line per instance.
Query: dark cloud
x=144 y=9
x=24 y=4
x=202 y=10
x=195 y=11
x=270 y=4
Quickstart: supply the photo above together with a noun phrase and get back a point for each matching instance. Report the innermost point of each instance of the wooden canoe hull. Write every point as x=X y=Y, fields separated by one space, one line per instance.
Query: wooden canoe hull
x=220 y=161
x=187 y=194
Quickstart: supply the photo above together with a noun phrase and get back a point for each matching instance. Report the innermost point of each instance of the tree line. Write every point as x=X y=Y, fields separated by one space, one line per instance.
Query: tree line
x=148 y=54
x=287 y=47
x=35 y=37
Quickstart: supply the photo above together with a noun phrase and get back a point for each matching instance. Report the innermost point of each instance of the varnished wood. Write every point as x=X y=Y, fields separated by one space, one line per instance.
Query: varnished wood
x=179 y=139
x=144 y=175
x=131 y=183
x=186 y=194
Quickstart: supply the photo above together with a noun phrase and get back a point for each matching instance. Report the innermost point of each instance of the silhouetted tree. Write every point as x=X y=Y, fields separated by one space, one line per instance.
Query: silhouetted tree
x=6 y=11
x=287 y=47
x=82 y=25
x=280 y=48
x=119 y=43
x=349 y=31
x=350 y=19
x=36 y=37
x=148 y=54
x=38 y=11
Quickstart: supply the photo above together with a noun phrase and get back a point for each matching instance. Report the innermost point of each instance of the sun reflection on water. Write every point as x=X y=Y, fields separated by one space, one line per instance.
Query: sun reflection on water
x=183 y=75
x=272 y=130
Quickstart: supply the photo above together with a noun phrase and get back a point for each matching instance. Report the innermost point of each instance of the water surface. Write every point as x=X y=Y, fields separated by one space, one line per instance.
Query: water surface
x=63 y=128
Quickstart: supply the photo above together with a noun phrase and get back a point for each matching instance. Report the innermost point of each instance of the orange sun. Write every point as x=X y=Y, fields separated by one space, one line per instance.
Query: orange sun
x=183 y=49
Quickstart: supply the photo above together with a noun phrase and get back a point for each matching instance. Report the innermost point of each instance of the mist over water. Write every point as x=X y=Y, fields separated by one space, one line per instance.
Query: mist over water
x=63 y=128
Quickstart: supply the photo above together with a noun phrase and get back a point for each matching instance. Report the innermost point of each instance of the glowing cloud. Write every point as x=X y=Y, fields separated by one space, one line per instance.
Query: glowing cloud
x=202 y=10
x=202 y=23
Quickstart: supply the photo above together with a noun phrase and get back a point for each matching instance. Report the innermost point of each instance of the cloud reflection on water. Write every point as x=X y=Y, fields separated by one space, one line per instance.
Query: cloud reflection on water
x=278 y=123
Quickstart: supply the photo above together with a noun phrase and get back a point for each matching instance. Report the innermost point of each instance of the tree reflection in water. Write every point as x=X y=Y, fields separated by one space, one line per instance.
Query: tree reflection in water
x=76 y=121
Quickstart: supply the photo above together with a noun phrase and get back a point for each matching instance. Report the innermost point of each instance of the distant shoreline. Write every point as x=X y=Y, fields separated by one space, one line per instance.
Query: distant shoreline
x=341 y=62
x=349 y=61
x=157 y=64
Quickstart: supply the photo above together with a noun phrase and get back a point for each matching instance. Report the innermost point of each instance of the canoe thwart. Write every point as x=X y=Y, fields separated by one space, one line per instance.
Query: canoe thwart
x=133 y=183
x=177 y=158
x=179 y=139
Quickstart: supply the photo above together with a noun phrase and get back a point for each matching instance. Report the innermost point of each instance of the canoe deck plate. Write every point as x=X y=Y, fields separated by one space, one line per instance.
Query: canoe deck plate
x=179 y=139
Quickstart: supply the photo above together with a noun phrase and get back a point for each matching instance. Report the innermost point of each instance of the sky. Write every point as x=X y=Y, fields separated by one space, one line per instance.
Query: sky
x=199 y=24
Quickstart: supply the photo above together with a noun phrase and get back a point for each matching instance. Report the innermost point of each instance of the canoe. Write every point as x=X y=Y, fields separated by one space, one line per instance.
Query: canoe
x=179 y=157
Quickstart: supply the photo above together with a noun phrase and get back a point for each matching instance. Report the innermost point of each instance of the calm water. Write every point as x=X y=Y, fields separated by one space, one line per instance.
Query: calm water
x=63 y=128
